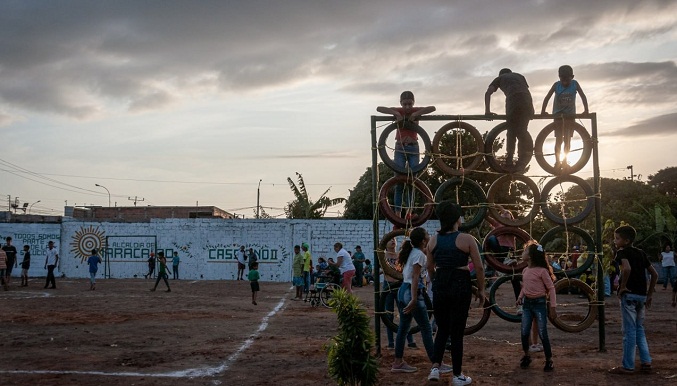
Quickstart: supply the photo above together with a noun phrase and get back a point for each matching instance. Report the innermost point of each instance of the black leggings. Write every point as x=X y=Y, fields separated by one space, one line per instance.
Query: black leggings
x=452 y=293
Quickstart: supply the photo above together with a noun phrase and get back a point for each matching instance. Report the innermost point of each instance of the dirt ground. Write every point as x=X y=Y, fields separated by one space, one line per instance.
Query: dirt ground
x=209 y=333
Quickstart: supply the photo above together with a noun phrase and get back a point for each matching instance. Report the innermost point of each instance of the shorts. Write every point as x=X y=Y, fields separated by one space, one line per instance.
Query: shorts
x=564 y=126
x=240 y=265
x=255 y=285
x=297 y=281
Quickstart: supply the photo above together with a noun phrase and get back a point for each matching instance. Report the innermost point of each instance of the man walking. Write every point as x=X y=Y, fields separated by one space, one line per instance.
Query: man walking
x=51 y=262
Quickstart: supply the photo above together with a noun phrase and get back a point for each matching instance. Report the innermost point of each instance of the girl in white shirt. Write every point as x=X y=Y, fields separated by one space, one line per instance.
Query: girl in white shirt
x=411 y=303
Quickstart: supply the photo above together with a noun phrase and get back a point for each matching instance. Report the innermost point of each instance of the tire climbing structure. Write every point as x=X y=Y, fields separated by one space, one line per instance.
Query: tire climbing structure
x=579 y=302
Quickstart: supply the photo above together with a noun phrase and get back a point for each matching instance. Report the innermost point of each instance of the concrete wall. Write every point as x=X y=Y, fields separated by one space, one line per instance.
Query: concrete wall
x=206 y=246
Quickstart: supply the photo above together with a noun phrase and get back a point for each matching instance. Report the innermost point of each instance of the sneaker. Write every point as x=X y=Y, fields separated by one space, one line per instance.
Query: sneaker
x=548 y=366
x=525 y=362
x=403 y=368
x=445 y=369
x=412 y=345
x=536 y=347
x=621 y=370
x=460 y=380
x=390 y=347
x=645 y=368
x=520 y=310
x=434 y=374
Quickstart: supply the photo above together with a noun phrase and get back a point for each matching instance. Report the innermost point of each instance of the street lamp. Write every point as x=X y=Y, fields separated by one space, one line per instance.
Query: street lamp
x=29 y=208
x=258 y=198
x=101 y=186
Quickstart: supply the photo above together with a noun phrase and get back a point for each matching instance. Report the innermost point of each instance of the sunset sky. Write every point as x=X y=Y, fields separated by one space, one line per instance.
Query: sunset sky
x=185 y=102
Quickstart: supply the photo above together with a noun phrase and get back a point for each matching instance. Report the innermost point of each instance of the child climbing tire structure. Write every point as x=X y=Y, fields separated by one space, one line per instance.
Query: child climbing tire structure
x=457 y=151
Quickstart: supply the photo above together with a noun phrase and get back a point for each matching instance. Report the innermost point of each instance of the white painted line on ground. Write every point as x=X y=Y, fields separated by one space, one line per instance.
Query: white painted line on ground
x=188 y=373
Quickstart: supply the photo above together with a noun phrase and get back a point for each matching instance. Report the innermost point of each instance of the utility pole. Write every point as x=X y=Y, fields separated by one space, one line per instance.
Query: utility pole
x=258 y=198
x=135 y=199
x=632 y=173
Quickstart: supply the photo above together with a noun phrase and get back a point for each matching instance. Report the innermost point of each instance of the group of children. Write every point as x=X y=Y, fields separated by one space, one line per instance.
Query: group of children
x=537 y=297
x=9 y=261
x=519 y=111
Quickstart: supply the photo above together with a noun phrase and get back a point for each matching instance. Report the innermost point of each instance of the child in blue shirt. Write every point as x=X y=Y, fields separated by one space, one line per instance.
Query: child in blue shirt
x=93 y=261
x=564 y=104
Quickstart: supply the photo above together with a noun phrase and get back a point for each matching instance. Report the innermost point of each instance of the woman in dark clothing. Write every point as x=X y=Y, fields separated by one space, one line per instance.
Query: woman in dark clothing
x=448 y=253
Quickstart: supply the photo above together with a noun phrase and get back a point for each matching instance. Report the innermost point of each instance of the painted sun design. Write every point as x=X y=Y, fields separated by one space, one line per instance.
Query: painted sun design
x=85 y=240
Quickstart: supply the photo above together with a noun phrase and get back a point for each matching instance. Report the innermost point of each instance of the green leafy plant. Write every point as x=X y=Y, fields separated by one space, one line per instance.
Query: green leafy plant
x=349 y=353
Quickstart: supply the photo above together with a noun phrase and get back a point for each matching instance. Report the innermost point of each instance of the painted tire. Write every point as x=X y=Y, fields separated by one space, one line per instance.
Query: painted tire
x=582 y=161
x=471 y=329
x=489 y=150
x=493 y=261
x=476 y=158
x=380 y=252
x=495 y=188
x=587 y=190
x=575 y=272
x=590 y=317
x=476 y=190
x=501 y=313
x=390 y=162
x=389 y=213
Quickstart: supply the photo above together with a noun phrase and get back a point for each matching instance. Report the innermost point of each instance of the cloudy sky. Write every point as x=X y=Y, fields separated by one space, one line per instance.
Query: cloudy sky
x=185 y=102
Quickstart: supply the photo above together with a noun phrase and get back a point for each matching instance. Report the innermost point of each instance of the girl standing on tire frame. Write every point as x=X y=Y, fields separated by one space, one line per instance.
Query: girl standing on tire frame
x=536 y=284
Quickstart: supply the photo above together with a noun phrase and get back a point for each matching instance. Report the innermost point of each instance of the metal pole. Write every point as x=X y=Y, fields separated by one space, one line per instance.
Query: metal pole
x=258 y=198
x=599 y=249
x=29 y=208
x=377 y=265
x=101 y=186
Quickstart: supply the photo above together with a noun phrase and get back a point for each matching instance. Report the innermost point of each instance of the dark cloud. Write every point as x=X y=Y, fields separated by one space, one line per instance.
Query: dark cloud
x=73 y=58
x=660 y=125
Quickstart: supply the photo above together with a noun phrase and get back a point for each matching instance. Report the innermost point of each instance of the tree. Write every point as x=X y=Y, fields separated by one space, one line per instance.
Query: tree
x=665 y=181
x=302 y=207
x=359 y=204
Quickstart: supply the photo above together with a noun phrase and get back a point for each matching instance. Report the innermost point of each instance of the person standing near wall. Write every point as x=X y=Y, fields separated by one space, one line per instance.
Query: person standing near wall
x=307 y=266
x=253 y=258
x=358 y=262
x=297 y=272
x=3 y=268
x=25 y=266
x=93 y=261
x=175 y=265
x=151 y=265
x=345 y=266
x=51 y=261
x=10 y=250
x=241 y=260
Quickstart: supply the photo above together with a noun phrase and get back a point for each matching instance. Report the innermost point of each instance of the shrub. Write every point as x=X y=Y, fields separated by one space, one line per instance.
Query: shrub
x=349 y=353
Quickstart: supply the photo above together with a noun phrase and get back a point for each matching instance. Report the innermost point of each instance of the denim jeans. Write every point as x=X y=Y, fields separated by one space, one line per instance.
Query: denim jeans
x=92 y=277
x=306 y=281
x=420 y=314
x=536 y=309
x=669 y=274
x=633 y=311
x=389 y=307
x=403 y=155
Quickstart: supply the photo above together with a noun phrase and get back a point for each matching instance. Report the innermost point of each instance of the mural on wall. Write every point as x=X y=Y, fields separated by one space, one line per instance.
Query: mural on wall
x=121 y=248
x=86 y=239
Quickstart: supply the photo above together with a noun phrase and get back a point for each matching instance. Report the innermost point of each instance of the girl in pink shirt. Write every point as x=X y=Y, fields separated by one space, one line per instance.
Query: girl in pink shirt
x=536 y=284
